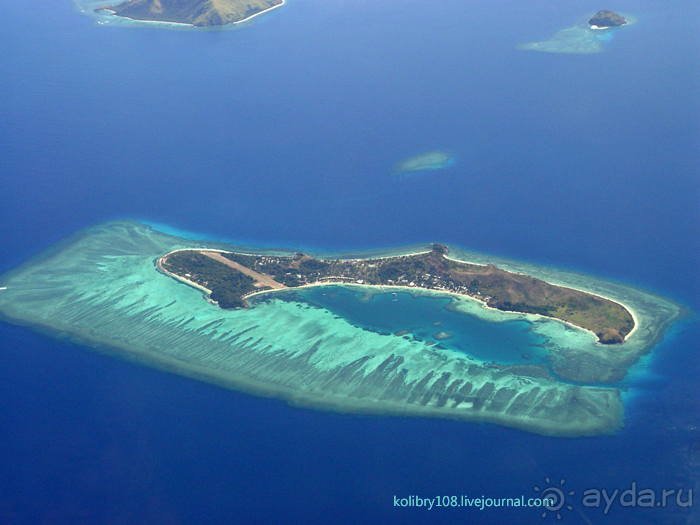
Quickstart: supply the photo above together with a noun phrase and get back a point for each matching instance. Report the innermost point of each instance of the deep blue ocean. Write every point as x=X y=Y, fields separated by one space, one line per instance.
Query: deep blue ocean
x=284 y=134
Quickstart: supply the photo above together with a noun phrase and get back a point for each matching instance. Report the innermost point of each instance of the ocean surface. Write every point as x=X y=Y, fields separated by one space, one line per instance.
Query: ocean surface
x=283 y=134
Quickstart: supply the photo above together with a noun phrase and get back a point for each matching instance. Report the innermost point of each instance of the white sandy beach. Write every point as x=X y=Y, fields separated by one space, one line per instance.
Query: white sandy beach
x=162 y=22
x=413 y=288
x=616 y=301
x=260 y=13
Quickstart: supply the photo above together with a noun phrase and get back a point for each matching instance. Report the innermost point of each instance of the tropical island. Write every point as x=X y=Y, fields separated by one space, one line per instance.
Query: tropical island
x=198 y=13
x=231 y=277
x=118 y=288
x=604 y=19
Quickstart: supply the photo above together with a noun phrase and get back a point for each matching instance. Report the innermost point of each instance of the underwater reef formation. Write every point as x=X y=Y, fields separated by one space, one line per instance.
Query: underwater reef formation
x=432 y=160
x=102 y=288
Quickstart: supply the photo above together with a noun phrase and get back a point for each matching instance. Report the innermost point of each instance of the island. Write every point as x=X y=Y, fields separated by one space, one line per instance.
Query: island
x=432 y=160
x=231 y=277
x=238 y=317
x=197 y=13
x=588 y=35
x=604 y=18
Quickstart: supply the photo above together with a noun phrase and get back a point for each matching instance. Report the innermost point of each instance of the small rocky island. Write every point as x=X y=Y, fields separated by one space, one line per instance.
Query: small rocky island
x=604 y=19
x=198 y=13
x=231 y=277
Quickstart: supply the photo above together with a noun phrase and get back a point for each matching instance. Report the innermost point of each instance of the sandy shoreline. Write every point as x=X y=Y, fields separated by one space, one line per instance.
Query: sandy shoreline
x=113 y=13
x=159 y=265
x=607 y=27
x=410 y=288
x=260 y=13
x=375 y=258
x=626 y=307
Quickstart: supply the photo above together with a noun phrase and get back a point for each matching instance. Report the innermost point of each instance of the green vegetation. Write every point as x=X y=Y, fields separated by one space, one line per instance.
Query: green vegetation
x=226 y=284
x=607 y=18
x=432 y=270
x=199 y=13
x=525 y=308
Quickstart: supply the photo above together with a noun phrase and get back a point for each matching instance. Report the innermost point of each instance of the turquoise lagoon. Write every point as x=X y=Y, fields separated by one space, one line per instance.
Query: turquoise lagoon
x=423 y=316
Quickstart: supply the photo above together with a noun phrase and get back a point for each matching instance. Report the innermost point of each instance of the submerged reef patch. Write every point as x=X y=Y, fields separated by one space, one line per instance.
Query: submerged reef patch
x=102 y=288
x=432 y=160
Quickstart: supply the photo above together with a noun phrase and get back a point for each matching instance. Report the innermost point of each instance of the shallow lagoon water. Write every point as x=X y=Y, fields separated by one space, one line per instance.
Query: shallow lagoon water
x=508 y=343
x=430 y=161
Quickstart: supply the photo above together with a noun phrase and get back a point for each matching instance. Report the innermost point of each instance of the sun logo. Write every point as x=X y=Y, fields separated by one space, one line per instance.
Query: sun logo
x=554 y=498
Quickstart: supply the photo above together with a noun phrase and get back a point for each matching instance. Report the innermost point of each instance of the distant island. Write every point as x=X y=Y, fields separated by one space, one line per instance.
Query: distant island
x=604 y=18
x=231 y=277
x=432 y=160
x=588 y=35
x=198 y=13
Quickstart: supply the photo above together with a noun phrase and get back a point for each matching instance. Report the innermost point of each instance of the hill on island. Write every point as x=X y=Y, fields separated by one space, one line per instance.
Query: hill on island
x=200 y=13
x=606 y=18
